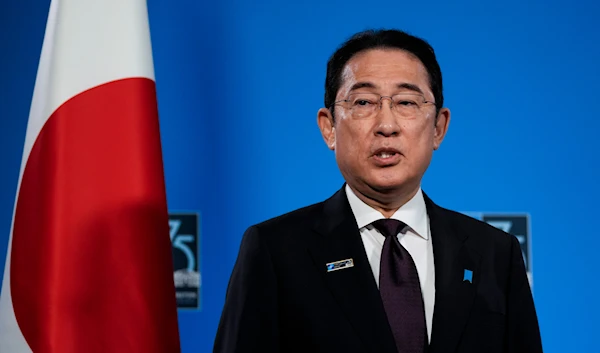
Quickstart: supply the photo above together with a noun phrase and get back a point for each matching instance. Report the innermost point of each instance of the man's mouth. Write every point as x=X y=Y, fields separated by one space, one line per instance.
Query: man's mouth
x=385 y=157
x=385 y=154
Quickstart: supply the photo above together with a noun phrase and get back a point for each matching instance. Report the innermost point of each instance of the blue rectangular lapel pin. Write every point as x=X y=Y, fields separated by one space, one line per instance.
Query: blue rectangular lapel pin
x=340 y=265
x=468 y=276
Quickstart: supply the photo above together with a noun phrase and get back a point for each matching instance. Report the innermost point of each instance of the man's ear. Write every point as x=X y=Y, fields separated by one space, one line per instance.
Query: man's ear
x=441 y=127
x=327 y=127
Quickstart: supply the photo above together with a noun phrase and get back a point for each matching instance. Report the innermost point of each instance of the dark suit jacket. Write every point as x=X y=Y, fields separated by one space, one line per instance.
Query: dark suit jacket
x=282 y=299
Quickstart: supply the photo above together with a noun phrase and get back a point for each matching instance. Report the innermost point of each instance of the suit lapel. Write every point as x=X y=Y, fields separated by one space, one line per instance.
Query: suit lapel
x=354 y=288
x=453 y=295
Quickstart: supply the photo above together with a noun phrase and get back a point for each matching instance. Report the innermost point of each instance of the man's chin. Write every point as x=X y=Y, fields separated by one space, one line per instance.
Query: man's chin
x=393 y=187
x=389 y=183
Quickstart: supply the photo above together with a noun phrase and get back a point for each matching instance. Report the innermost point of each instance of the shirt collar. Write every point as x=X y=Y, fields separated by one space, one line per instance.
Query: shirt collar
x=413 y=213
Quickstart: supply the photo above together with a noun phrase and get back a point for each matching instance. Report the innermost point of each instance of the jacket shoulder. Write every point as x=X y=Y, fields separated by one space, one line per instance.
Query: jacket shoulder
x=301 y=218
x=475 y=229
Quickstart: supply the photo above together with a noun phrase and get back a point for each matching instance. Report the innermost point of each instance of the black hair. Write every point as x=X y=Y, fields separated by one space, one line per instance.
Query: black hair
x=381 y=39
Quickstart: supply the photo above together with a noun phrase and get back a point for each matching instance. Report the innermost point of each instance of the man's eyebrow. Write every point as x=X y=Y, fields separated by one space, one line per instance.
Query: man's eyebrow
x=410 y=87
x=358 y=85
x=404 y=85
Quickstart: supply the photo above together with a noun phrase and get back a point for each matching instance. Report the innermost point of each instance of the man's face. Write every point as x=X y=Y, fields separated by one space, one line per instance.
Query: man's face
x=384 y=154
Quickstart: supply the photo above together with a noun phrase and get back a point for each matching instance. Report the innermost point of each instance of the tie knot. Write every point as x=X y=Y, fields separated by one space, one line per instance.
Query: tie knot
x=389 y=227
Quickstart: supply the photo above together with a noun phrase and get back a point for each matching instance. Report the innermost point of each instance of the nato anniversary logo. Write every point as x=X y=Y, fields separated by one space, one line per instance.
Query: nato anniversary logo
x=184 y=232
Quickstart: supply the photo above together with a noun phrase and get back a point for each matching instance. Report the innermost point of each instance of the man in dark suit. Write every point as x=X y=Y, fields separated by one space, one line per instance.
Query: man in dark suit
x=379 y=267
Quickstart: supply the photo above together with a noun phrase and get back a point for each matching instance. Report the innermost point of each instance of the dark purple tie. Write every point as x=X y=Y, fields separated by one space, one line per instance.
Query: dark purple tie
x=401 y=291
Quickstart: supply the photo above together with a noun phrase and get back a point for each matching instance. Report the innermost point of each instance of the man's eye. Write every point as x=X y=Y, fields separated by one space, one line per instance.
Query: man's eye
x=362 y=102
x=406 y=102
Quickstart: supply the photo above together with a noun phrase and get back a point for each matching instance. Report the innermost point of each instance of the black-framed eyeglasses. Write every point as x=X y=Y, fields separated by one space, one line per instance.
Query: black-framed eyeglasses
x=366 y=105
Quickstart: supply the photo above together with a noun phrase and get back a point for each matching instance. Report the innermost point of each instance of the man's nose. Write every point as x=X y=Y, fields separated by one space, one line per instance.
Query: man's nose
x=387 y=123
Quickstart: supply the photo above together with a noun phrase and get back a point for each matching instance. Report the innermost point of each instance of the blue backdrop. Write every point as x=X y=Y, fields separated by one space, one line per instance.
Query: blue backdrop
x=239 y=84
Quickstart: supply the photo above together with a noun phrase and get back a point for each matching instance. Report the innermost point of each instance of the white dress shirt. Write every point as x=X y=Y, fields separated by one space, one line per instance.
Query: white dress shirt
x=416 y=240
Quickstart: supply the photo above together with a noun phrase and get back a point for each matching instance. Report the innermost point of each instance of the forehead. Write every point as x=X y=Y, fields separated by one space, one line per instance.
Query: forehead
x=385 y=68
